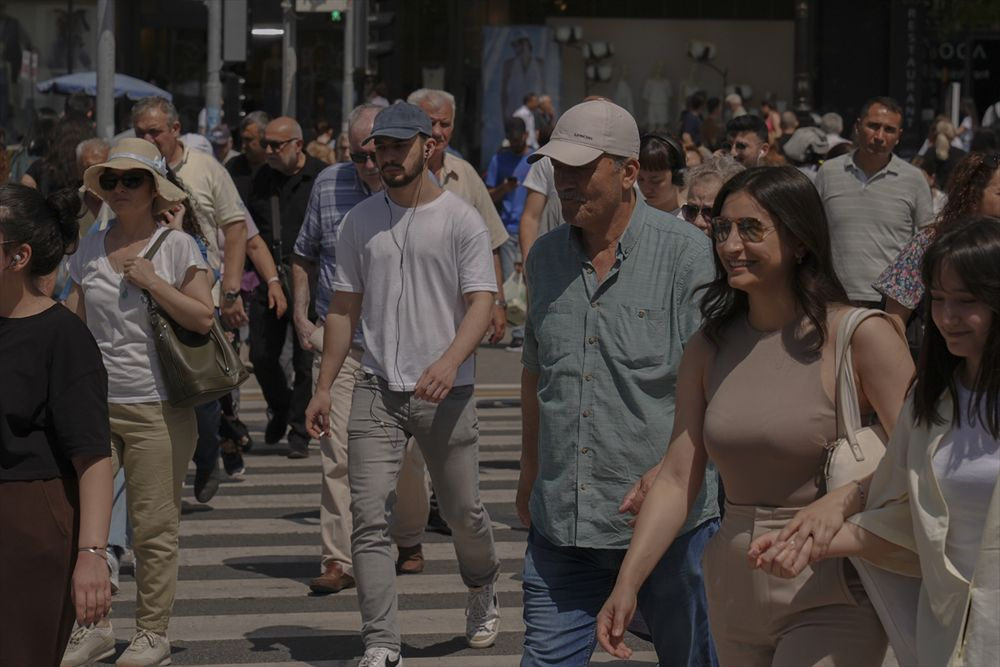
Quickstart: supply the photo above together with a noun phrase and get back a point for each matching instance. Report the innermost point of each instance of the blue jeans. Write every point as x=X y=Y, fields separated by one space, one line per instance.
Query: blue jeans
x=120 y=532
x=565 y=588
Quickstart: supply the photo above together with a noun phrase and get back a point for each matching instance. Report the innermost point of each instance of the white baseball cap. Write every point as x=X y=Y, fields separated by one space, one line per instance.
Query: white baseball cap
x=589 y=130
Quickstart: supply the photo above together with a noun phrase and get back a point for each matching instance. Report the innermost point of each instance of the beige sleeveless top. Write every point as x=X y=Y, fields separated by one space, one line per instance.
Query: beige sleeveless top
x=769 y=417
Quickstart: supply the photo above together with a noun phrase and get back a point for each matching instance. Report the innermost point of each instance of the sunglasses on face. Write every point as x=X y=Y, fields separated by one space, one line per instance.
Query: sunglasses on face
x=690 y=212
x=130 y=179
x=751 y=230
x=274 y=144
x=361 y=158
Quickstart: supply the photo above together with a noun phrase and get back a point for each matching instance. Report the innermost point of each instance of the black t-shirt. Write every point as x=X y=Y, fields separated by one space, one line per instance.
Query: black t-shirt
x=53 y=396
x=293 y=201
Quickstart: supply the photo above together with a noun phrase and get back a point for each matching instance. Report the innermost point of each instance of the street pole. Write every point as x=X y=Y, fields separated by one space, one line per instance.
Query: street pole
x=213 y=88
x=347 y=97
x=106 y=69
x=288 y=62
x=803 y=61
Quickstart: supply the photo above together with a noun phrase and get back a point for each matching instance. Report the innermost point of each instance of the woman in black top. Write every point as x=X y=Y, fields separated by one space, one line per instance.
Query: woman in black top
x=55 y=465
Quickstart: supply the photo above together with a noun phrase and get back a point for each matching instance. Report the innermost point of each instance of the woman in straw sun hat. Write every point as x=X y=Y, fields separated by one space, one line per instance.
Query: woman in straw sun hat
x=151 y=439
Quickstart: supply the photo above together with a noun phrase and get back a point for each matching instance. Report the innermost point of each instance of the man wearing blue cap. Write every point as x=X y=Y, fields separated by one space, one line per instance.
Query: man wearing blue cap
x=414 y=265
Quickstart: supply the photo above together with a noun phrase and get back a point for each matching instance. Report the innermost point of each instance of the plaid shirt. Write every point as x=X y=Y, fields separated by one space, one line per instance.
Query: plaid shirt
x=336 y=191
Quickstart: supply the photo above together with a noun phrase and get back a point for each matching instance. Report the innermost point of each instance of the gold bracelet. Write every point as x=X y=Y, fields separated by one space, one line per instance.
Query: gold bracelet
x=98 y=551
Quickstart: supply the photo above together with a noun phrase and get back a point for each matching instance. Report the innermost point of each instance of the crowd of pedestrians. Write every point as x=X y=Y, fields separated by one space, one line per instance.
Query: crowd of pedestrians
x=685 y=301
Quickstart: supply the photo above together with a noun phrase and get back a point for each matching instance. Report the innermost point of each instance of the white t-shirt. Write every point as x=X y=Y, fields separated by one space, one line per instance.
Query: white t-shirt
x=966 y=465
x=117 y=316
x=413 y=267
x=541 y=178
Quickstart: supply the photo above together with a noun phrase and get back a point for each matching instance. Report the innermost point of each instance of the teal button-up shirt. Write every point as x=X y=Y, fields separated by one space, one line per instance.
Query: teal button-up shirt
x=607 y=357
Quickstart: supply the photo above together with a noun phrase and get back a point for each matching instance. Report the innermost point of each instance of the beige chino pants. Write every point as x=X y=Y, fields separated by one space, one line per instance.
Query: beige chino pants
x=154 y=442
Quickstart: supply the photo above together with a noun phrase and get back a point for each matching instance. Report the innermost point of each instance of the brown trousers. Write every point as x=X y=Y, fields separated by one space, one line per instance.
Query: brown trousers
x=39 y=524
x=822 y=618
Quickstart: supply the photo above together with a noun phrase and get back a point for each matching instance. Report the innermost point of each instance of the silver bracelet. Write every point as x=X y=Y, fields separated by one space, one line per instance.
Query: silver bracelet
x=99 y=551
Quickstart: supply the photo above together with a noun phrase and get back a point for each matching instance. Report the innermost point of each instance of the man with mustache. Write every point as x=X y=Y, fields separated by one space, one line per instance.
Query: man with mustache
x=609 y=311
x=414 y=266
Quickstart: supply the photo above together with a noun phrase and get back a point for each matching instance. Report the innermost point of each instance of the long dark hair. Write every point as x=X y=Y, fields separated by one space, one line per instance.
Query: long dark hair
x=58 y=167
x=972 y=249
x=794 y=205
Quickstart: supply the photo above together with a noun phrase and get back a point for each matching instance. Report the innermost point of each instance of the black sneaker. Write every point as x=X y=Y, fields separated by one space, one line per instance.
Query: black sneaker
x=515 y=345
x=298 y=447
x=436 y=522
x=206 y=484
x=276 y=429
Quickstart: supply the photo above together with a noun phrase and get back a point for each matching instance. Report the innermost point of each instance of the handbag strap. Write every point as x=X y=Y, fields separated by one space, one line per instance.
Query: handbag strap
x=151 y=305
x=848 y=411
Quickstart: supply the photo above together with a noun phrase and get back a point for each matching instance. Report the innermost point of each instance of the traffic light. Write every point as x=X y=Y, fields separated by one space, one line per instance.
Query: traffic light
x=336 y=16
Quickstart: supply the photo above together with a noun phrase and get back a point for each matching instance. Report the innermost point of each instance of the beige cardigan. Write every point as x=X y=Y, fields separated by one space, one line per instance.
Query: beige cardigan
x=958 y=622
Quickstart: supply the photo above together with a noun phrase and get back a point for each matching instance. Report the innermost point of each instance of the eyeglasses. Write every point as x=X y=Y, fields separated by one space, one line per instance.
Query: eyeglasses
x=274 y=144
x=751 y=230
x=130 y=179
x=690 y=212
x=362 y=157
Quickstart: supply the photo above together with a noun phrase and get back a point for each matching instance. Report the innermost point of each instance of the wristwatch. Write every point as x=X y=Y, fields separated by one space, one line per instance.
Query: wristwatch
x=230 y=297
x=500 y=302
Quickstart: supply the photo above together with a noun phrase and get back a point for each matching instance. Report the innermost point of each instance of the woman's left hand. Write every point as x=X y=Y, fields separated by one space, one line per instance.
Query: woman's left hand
x=140 y=272
x=174 y=217
x=91 y=588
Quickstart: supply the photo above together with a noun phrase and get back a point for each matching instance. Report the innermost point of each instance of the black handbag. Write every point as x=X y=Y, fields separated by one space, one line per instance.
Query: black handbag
x=196 y=368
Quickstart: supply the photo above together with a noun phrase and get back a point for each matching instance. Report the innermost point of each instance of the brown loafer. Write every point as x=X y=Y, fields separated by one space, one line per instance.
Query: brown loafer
x=333 y=580
x=411 y=560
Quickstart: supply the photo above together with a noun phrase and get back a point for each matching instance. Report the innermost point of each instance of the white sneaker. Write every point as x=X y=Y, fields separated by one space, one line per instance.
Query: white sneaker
x=380 y=656
x=147 y=649
x=88 y=645
x=482 y=617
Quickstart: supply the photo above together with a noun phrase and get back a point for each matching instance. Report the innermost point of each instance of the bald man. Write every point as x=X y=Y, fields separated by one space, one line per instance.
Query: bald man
x=278 y=199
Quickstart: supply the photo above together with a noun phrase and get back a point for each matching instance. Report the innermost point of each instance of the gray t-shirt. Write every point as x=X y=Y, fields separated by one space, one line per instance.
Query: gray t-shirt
x=541 y=179
x=414 y=266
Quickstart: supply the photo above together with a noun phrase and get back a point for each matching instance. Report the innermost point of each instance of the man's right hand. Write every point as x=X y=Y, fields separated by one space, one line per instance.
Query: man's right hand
x=304 y=328
x=317 y=414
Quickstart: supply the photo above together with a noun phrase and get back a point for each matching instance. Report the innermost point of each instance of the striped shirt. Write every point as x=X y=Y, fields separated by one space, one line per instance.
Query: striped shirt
x=871 y=219
x=337 y=190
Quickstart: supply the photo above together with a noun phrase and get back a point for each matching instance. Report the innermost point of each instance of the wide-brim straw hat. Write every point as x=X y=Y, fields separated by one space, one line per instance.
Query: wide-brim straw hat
x=130 y=153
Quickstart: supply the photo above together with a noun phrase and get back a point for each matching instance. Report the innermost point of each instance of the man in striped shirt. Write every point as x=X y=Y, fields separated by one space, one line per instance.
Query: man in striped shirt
x=875 y=201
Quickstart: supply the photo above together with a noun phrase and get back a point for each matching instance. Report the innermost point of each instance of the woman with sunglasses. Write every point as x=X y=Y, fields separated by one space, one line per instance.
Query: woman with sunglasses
x=755 y=393
x=151 y=439
x=55 y=465
x=933 y=509
x=703 y=183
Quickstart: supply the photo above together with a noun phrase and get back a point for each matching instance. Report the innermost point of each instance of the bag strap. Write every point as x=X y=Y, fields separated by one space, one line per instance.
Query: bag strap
x=848 y=411
x=156 y=244
x=151 y=305
x=276 y=228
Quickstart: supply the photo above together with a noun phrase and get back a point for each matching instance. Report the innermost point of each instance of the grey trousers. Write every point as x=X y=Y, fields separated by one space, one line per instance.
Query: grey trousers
x=447 y=433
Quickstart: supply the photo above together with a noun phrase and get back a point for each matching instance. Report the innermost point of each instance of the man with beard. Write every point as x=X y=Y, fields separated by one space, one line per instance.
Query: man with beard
x=338 y=189
x=414 y=265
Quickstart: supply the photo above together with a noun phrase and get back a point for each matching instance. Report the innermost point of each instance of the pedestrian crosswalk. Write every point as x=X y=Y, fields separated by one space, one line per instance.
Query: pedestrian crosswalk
x=246 y=558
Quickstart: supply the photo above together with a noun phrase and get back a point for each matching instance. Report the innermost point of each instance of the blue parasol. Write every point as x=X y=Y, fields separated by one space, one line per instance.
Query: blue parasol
x=127 y=86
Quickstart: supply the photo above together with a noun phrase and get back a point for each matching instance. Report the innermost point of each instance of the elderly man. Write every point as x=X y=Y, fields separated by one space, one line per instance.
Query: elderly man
x=875 y=202
x=414 y=266
x=337 y=190
x=279 y=195
x=461 y=178
x=602 y=346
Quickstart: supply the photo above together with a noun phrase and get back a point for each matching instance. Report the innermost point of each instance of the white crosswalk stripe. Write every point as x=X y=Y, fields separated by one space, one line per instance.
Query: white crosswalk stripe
x=246 y=559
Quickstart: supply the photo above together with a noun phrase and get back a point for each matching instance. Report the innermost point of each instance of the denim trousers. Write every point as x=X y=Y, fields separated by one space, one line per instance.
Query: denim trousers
x=565 y=588
x=447 y=433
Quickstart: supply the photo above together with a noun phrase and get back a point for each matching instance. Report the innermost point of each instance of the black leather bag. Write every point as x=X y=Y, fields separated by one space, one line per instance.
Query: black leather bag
x=196 y=368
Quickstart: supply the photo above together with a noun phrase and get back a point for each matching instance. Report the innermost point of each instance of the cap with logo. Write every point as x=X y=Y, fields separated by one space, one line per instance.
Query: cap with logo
x=400 y=121
x=589 y=130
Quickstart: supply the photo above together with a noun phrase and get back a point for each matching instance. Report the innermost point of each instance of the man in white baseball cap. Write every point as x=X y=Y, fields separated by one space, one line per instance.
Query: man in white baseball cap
x=611 y=303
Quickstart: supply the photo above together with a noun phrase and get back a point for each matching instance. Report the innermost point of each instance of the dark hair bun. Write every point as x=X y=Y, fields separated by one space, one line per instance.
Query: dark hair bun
x=65 y=204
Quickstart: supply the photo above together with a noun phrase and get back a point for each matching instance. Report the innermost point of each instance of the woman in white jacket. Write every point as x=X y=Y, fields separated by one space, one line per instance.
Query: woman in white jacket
x=934 y=505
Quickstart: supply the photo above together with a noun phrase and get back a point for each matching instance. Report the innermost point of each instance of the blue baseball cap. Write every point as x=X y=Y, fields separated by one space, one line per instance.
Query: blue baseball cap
x=400 y=121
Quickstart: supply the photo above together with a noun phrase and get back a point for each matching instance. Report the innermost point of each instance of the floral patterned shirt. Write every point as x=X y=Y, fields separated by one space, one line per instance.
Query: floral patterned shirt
x=901 y=280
